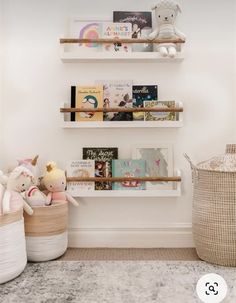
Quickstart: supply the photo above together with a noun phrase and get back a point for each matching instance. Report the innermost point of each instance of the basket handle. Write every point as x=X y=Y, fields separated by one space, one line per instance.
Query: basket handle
x=193 y=166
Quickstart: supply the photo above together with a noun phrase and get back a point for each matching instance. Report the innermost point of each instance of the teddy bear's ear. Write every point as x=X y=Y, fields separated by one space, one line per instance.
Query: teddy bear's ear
x=153 y=7
x=178 y=8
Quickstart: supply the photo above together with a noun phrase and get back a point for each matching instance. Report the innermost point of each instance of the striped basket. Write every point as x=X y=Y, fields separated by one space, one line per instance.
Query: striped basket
x=12 y=246
x=46 y=232
x=214 y=215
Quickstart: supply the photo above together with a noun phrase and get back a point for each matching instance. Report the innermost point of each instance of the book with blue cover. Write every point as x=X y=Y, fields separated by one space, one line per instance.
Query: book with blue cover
x=128 y=168
x=142 y=93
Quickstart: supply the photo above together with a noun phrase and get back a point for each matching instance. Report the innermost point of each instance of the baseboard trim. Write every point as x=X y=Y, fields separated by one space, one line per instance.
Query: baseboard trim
x=166 y=236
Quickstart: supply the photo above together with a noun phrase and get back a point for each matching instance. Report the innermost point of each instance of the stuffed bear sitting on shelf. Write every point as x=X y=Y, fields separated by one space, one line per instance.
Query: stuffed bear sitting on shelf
x=166 y=12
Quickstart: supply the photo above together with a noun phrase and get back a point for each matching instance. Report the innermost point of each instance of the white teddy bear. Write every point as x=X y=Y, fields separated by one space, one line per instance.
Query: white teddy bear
x=166 y=12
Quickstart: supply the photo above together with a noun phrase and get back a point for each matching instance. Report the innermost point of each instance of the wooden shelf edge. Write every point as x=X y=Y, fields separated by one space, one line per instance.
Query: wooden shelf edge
x=168 y=193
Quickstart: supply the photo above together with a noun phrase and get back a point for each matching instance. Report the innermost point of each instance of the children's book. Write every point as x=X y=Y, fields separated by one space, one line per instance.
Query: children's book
x=112 y=30
x=160 y=116
x=142 y=93
x=83 y=169
x=72 y=101
x=159 y=162
x=141 y=27
x=86 y=29
x=89 y=97
x=128 y=168
x=117 y=94
x=103 y=157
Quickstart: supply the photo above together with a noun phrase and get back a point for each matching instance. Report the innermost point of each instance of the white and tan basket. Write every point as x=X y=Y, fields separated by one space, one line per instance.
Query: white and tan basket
x=46 y=232
x=12 y=246
x=214 y=208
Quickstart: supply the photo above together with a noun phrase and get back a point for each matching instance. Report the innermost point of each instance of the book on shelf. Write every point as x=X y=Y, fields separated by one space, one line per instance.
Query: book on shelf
x=80 y=169
x=89 y=97
x=111 y=30
x=103 y=157
x=142 y=93
x=160 y=116
x=72 y=101
x=128 y=168
x=85 y=29
x=159 y=162
x=141 y=27
x=117 y=94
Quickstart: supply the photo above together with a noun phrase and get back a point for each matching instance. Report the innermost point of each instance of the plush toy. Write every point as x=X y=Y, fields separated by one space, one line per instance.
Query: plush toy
x=166 y=12
x=35 y=197
x=19 y=180
x=31 y=164
x=55 y=182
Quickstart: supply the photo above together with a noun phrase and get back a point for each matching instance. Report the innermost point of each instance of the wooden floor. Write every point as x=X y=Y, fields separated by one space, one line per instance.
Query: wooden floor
x=180 y=254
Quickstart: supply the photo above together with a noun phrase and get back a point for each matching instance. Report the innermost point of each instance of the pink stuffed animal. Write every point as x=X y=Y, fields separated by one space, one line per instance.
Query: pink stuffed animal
x=55 y=182
x=19 y=180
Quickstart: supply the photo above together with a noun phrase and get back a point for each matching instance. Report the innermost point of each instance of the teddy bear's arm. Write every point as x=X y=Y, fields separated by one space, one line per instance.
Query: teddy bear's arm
x=154 y=34
x=71 y=200
x=180 y=34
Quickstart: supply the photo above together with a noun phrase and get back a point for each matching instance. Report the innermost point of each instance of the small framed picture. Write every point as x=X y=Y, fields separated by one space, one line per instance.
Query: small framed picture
x=159 y=162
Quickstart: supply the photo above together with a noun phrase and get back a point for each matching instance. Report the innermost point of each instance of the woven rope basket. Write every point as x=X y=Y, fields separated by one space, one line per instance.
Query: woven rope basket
x=214 y=215
x=46 y=232
x=12 y=246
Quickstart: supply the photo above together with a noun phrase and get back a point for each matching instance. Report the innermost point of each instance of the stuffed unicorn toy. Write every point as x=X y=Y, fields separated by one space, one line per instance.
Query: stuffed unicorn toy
x=55 y=182
x=31 y=164
x=33 y=196
x=19 y=180
x=166 y=12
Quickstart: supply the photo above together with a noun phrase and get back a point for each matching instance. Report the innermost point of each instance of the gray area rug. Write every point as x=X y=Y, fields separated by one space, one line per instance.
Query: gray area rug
x=113 y=282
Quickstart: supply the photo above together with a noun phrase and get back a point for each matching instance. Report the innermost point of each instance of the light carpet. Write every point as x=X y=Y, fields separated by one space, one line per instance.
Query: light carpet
x=112 y=282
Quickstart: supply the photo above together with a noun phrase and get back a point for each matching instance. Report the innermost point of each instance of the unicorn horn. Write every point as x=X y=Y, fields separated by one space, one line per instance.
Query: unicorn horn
x=34 y=161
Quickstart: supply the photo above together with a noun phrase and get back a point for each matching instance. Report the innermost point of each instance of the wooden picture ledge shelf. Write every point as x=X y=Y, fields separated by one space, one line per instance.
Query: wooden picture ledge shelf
x=123 y=179
x=100 y=40
x=122 y=109
x=173 y=191
x=66 y=123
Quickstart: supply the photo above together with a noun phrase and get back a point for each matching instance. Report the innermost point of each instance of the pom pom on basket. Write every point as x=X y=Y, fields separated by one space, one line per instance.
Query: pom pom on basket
x=12 y=246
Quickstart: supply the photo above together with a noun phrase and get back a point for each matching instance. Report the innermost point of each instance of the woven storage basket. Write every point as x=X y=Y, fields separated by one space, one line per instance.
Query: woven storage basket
x=12 y=246
x=214 y=209
x=46 y=232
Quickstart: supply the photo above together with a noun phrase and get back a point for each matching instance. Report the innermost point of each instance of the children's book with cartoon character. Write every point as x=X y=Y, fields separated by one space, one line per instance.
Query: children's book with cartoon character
x=80 y=169
x=128 y=168
x=103 y=157
x=142 y=93
x=159 y=163
x=117 y=94
x=141 y=27
x=111 y=30
x=89 y=97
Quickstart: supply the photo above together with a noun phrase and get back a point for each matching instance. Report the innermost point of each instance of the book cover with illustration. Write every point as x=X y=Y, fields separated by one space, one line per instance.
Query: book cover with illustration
x=103 y=157
x=80 y=169
x=141 y=27
x=111 y=30
x=128 y=168
x=159 y=162
x=142 y=93
x=160 y=116
x=89 y=97
x=85 y=29
x=117 y=94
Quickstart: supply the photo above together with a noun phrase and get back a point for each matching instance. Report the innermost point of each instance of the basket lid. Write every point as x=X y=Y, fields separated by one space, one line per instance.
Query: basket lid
x=224 y=163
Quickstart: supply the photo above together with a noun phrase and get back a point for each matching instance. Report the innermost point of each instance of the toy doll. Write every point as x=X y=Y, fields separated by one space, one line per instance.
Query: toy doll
x=55 y=182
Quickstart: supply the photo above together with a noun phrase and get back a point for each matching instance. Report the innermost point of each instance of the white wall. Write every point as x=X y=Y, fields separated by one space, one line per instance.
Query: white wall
x=36 y=82
x=1 y=86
